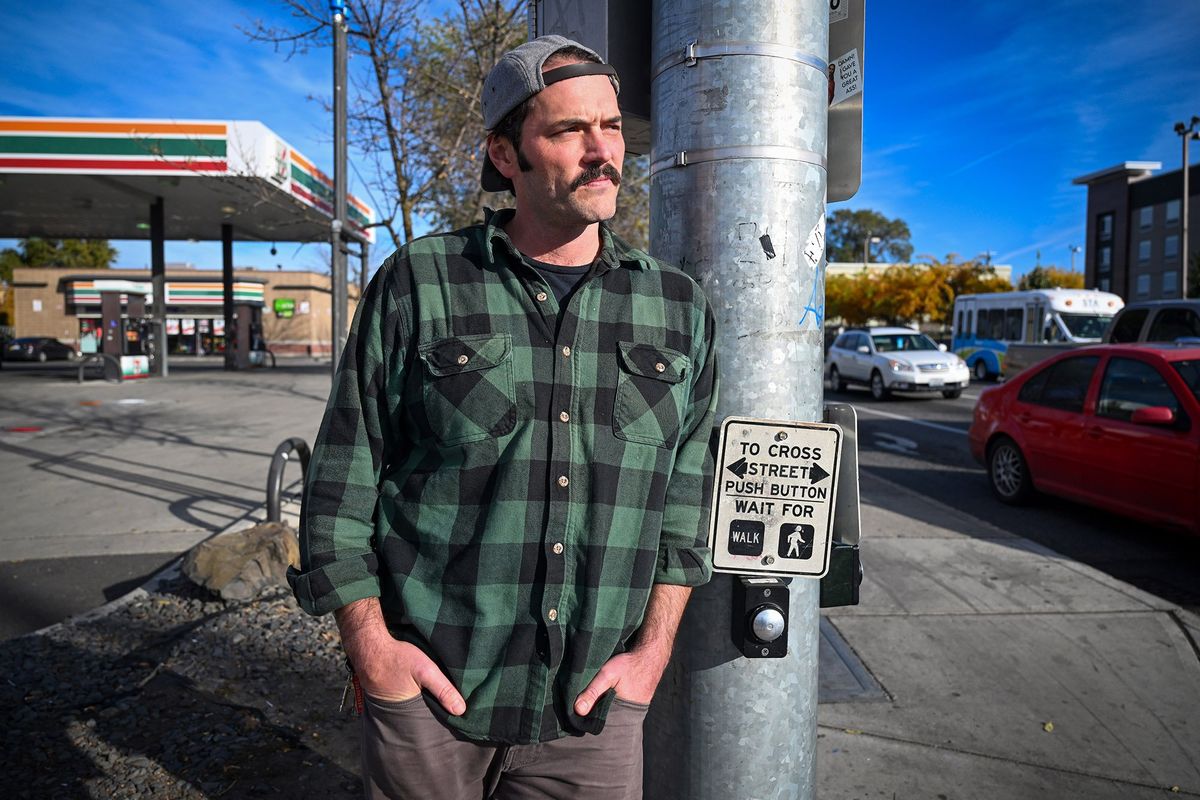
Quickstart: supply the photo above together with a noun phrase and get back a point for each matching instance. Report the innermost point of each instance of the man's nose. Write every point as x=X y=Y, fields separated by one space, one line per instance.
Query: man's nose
x=600 y=147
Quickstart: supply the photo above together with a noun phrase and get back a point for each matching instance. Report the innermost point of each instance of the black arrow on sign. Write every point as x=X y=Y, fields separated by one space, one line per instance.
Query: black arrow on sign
x=738 y=468
x=817 y=474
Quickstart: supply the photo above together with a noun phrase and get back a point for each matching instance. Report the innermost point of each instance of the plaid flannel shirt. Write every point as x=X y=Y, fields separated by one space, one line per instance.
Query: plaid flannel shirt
x=511 y=493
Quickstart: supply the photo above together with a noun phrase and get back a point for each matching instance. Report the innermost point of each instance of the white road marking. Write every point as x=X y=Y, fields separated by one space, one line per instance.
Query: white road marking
x=897 y=444
x=889 y=415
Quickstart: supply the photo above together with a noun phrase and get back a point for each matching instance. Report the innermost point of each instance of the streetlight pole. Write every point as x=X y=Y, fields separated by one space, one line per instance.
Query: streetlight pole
x=870 y=240
x=337 y=266
x=1187 y=133
x=1074 y=248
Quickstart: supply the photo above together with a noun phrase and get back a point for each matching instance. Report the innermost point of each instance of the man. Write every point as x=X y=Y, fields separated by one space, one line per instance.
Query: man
x=507 y=501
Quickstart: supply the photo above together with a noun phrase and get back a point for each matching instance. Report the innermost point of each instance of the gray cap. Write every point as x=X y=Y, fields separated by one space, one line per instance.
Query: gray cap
x=517 y=77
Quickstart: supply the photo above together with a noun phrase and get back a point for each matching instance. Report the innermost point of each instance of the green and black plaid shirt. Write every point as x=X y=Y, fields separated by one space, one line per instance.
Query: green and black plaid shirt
x=511 y=493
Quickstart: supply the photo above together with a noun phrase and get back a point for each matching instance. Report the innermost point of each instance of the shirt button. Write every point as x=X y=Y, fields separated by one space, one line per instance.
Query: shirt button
x=566 y=352
x=552 y=614
x=563 y=481
x=660 y=367
x=541 y=297
x=558 y=548
x=463 y=359
x=564 y=416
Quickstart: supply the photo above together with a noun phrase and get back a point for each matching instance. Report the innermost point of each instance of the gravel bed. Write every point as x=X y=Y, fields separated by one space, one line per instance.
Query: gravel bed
x=179 y=694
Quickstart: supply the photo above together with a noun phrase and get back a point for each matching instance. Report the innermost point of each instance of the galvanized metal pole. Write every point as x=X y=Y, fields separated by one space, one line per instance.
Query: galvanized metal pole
x=337 y=238
x=740 y=98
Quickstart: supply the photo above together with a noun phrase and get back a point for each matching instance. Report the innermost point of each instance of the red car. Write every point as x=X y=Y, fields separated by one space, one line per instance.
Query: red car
x=1113 y=426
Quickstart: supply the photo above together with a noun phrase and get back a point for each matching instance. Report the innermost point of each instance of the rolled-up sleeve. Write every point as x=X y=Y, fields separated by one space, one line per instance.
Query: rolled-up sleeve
x=338 y=561
x=684 y=557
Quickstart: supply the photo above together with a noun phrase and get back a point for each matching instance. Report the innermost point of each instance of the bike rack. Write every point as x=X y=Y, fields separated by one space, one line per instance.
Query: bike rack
x=102 y=359
x=279 y=460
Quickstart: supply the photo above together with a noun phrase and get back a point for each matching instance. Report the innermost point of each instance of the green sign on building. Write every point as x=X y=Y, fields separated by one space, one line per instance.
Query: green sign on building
x=285 y=306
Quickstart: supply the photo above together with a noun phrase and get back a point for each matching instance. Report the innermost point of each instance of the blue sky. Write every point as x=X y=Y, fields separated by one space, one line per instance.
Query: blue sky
x=977 y=115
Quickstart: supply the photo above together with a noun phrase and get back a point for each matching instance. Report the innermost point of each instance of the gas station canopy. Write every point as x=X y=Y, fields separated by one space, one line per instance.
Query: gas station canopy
x=97 y=178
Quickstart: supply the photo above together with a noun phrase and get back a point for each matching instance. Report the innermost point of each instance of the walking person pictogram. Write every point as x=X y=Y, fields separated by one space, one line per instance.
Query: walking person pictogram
x=796 y=540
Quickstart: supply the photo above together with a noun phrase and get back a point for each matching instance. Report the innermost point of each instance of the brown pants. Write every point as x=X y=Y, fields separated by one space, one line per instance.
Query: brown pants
x=409 y=755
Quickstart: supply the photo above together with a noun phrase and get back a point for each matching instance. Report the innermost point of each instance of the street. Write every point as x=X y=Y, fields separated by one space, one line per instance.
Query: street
x=920 y=442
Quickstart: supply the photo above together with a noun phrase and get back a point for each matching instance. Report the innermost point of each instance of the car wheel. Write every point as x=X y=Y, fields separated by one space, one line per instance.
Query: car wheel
x=1008 y=472
x=836 y=380
x=878 y=390
x=981 y=370
x=42 y=356
x=952 y=394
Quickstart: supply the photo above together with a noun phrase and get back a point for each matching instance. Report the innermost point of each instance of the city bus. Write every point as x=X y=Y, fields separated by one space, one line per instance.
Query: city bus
x=985 y=325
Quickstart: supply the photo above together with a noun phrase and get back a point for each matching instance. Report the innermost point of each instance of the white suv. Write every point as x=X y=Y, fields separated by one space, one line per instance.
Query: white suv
x=894 y=360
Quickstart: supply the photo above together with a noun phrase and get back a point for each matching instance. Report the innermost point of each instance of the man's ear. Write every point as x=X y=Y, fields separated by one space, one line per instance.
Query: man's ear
x=503 y=155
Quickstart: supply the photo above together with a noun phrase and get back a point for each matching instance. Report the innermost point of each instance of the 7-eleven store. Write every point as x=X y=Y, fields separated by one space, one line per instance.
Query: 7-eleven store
x=195 y=310
x=66 y=304
x=170 y=179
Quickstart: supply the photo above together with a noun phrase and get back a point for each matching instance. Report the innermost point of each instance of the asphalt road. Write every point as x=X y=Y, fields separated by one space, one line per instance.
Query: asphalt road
x=101 y=484
x=921 y=442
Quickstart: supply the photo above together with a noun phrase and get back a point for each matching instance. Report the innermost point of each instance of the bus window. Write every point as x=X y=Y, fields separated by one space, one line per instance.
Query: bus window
x=996 y=324
x=984 y=330
x=971 y=321
x=1012 y=325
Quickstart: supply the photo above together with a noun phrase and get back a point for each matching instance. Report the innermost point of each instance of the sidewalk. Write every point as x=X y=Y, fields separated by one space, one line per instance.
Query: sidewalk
x=1005 y=671
x=1010 y=671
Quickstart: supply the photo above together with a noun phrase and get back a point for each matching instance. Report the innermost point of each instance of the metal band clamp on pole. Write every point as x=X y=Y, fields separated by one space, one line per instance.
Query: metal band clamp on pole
x=694 y=51
x=699 y=156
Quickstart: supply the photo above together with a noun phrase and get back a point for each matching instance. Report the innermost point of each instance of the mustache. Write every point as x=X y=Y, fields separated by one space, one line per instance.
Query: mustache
x=595 y=173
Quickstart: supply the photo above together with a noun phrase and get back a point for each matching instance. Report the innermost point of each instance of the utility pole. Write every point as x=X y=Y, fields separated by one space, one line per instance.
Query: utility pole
x=870 y=240
x=737 y=199
x=1187 y=133
x=337 y=263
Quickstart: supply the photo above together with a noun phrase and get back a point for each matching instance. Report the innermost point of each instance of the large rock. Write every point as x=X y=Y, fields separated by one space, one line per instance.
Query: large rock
x=239 y=565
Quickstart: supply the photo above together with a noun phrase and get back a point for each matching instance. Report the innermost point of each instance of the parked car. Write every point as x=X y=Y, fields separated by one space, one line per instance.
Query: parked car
x=37 y=348
x=894 y=360
x=1113 y=426
x=1156 y=321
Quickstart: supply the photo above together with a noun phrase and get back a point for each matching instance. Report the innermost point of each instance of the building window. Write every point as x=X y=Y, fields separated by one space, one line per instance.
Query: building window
x=1172 y=211
x=1105 y=258
x=1170 y=282
x=1145 y=217
x=1104 y=284
x=1143 y=285
x=1143 y=251
x=1105 y=226
x=1171 y=246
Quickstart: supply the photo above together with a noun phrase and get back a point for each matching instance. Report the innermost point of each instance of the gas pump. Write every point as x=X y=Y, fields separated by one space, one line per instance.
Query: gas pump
x=123 y=336
x=249 y=346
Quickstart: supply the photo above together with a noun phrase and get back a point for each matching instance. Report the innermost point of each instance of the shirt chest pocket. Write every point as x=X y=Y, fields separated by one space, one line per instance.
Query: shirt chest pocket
x=651 y=393
x=468 y=387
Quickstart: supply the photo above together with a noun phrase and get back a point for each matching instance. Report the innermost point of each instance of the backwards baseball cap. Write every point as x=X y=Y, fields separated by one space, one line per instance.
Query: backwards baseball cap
x=517 y=77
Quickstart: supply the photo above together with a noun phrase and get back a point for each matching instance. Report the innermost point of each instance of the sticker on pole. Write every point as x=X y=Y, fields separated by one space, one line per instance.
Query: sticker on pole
x=773 y=501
